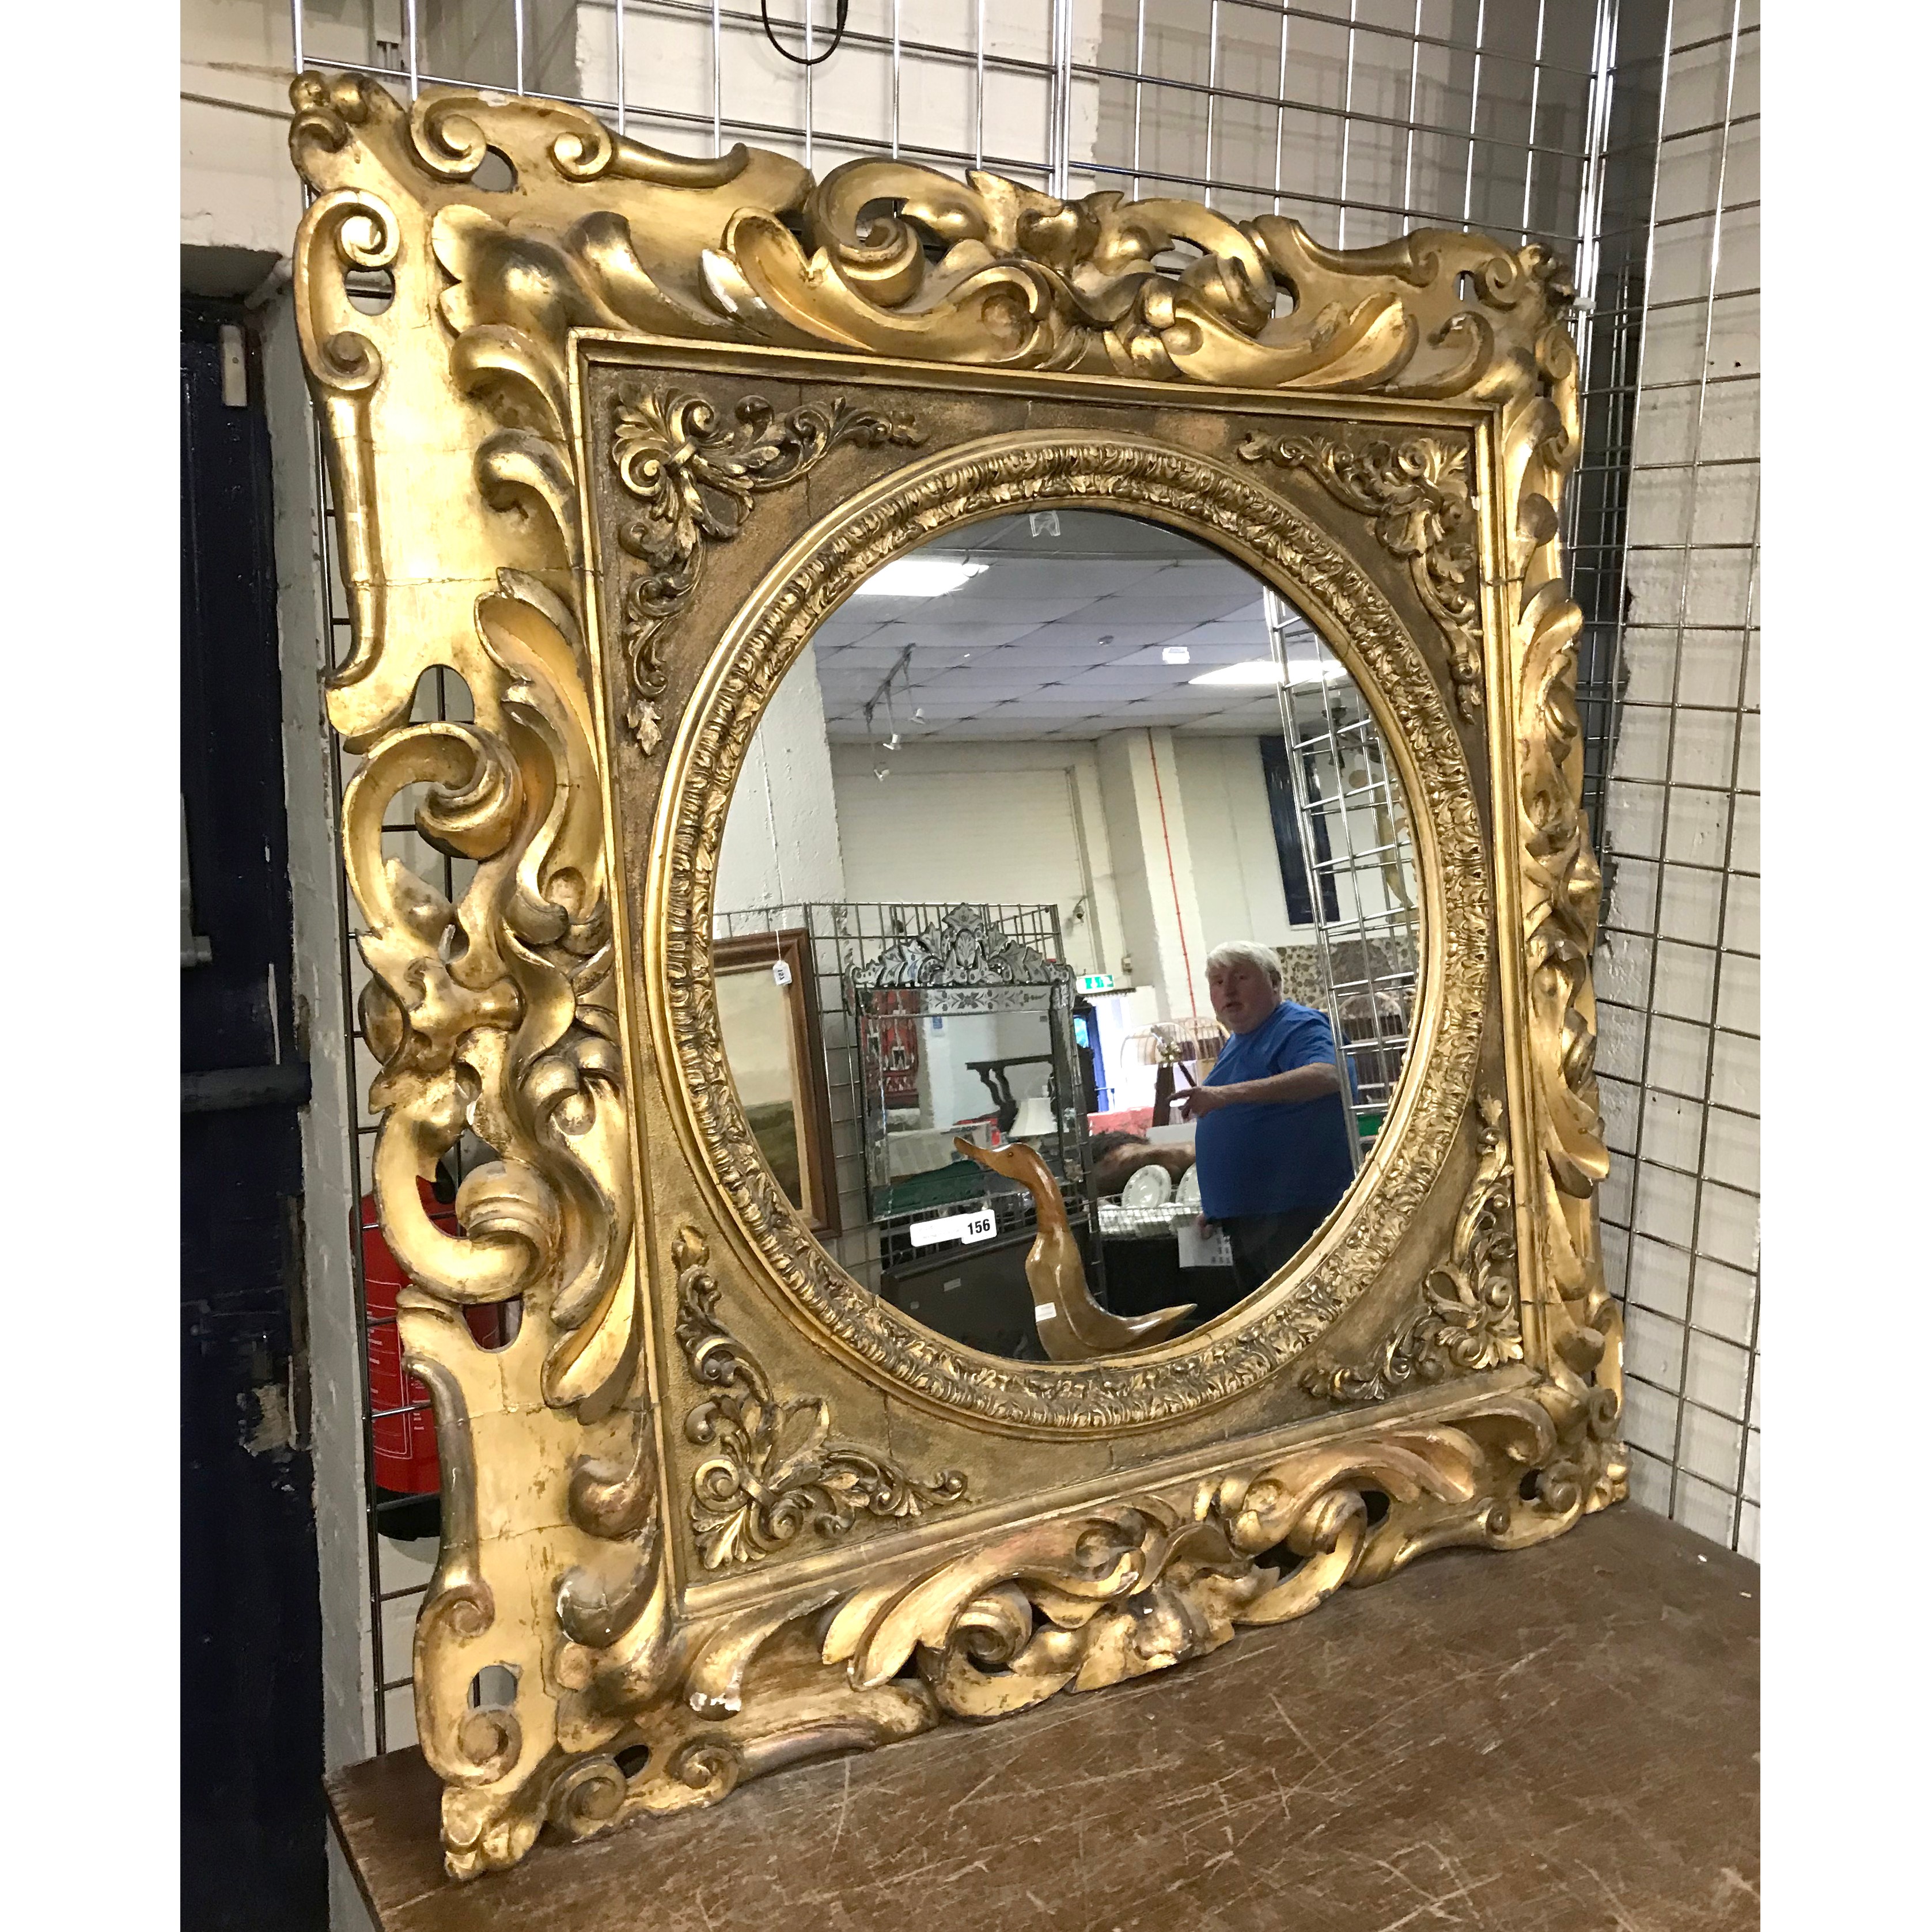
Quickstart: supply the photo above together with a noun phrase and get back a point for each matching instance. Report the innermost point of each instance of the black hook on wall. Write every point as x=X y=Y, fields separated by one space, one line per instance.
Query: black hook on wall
x=800 y=60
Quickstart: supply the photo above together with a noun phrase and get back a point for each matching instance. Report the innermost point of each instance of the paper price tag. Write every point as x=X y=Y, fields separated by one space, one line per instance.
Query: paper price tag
x=781 y=973
x=978 y=1227
x=1199 y=1251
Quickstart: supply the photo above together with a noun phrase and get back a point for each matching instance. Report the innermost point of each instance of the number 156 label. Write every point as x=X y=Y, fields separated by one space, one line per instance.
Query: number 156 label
x=981 y=1226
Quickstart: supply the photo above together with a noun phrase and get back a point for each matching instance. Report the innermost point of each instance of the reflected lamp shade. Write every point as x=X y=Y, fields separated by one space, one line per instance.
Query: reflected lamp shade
x=1034 y=1119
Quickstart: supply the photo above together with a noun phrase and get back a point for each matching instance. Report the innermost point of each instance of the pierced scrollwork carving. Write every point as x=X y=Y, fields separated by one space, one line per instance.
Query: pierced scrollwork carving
x=587 y=1796
x=987 y=270
x=1468 y=1320
x=778 y=1469
x=1093 y=1598
x=694 y=474
x=1416 y=489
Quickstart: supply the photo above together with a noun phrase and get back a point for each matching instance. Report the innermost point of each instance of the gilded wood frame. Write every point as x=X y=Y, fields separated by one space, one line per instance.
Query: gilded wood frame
x=621 y=434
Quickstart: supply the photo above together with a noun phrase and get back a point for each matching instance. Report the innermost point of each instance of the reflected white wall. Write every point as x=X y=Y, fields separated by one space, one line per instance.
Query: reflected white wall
x=782 y=837
x=1237 y=878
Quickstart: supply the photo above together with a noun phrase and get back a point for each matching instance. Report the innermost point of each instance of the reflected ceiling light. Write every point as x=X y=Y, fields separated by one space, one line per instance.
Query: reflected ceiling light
x=1174 y=654
x=1257 y=673
x=1251 y=671
x=919 y=577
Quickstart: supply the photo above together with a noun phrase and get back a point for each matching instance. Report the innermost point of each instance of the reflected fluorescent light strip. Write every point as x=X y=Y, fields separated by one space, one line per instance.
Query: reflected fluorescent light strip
x=919 y=577
x=1257 y=672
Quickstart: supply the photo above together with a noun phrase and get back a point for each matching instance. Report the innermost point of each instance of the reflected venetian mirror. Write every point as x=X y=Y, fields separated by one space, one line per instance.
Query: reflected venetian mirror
x=1019 y=794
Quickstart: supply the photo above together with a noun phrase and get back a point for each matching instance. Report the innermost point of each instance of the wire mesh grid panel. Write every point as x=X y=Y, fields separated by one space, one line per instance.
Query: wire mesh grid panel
x=1358 y=860
x=1677 y=969
x=1360 y=118
x=956 y=83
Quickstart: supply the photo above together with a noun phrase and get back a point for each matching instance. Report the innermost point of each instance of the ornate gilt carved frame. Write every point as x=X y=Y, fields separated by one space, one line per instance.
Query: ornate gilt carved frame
x=622 y=434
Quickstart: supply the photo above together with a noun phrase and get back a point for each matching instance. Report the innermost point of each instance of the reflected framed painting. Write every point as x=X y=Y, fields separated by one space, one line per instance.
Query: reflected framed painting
x=768 y=1018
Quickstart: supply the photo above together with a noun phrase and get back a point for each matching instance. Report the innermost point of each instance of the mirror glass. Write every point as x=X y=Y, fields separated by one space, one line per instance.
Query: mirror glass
x=1067 y=933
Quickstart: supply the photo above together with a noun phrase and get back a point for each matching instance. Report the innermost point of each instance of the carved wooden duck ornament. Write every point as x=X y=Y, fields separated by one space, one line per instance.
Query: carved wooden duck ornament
x=1073 y=1327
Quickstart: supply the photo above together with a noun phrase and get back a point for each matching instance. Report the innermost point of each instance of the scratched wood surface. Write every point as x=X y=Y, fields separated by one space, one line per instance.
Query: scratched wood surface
x=1557 y=1741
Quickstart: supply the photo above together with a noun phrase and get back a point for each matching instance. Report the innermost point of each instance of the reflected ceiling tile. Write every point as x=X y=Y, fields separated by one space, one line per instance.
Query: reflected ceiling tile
x=1117 y=635
x=852 y=654
x=1016 y=615
x=959 y=632
x=1148 y=674
x=847 y=624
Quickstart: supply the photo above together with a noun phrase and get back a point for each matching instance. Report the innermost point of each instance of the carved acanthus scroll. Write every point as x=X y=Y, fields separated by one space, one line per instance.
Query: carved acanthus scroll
x=694 y=476
x=1467 y=1321
x=777 y=1468
x=1416 y=489
x=1076 y=1601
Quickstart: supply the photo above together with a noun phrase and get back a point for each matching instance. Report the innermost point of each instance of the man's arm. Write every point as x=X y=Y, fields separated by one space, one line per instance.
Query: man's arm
x=1290 y=1089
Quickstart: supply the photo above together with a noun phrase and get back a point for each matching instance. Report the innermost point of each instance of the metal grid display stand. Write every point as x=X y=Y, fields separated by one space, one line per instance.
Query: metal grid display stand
x=1362 y=120
x=1517 y=116
x=1677 y=969
x=1356 y=846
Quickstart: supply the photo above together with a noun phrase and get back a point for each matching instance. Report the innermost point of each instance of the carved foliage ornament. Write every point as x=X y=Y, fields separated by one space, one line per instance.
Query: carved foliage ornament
x=1079 y=1600
x=777 y=1469
x=1416 y=489
x=1468 y=1319
x=448 y=421
x=694 y=478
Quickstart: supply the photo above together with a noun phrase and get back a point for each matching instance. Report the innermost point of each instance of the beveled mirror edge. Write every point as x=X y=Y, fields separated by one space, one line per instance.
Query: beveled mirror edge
x=445 y=424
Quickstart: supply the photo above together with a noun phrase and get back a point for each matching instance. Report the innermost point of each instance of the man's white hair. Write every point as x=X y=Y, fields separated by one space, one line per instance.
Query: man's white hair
x=1248 y=952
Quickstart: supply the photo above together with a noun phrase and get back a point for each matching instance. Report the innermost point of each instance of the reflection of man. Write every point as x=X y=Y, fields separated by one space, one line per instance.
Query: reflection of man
x=1272 y=1148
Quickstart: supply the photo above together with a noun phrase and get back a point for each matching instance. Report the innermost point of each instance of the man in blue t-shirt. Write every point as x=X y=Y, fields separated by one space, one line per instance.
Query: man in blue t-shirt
x=1272 y=1148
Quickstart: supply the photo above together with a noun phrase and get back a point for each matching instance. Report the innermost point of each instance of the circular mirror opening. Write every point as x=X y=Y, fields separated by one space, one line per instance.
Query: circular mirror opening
x=1068 y=935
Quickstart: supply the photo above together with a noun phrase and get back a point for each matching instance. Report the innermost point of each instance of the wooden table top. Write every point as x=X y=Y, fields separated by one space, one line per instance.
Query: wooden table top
x=1555 y=1740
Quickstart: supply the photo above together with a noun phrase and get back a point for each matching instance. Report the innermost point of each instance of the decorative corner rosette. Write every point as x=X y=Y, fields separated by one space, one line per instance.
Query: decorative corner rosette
x=1416 y=488
x=1469 y=1319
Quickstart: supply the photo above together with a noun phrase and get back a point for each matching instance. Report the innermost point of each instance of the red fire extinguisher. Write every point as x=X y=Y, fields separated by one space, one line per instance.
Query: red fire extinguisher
x=404 y=1427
